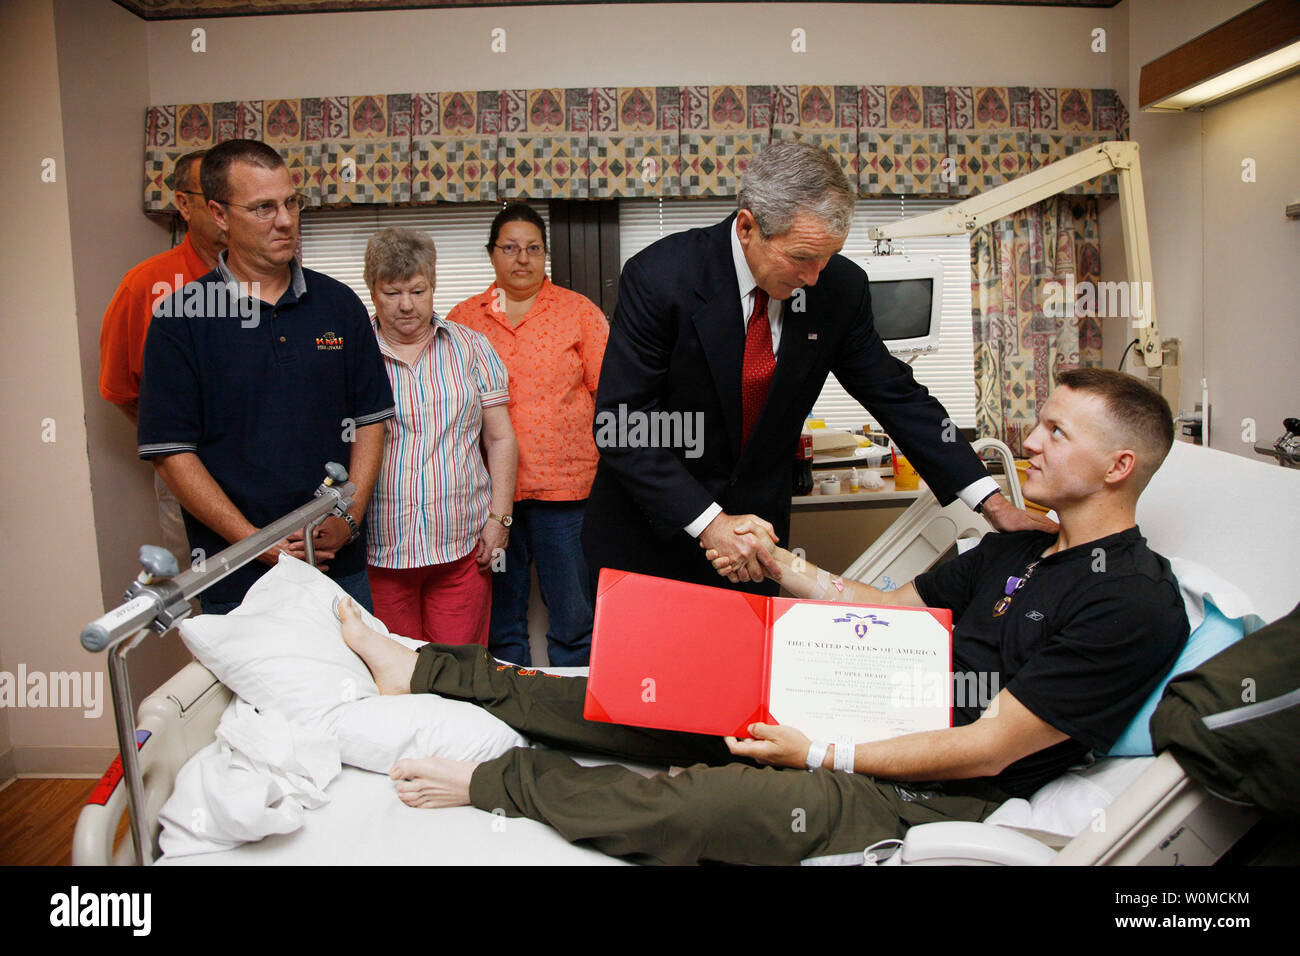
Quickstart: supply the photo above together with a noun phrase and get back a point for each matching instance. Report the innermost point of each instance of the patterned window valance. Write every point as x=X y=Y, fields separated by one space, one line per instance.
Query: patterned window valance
x=610 y=142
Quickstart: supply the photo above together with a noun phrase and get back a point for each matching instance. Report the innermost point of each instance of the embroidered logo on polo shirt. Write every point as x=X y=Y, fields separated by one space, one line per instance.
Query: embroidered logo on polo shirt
x=1035 y=615
x=329 y=342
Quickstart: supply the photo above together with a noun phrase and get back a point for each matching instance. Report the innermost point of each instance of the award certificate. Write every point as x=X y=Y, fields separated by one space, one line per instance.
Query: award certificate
x=869 y=672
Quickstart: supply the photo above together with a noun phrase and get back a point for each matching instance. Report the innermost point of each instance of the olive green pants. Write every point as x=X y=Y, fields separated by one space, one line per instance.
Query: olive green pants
x=717 y=810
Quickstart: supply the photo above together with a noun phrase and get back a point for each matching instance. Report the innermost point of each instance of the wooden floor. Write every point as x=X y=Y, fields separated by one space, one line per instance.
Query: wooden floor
x=37 y=818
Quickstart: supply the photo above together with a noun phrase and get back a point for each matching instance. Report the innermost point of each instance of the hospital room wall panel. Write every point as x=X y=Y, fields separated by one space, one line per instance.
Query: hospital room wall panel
x=1171 y=163
x=1252 y=283
x=625 y=44
x=103 y=80
x=6 y=745
x=48 y=560
x=1223 y=255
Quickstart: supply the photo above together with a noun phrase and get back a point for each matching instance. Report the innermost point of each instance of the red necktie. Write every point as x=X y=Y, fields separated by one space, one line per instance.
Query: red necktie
x=756 y=373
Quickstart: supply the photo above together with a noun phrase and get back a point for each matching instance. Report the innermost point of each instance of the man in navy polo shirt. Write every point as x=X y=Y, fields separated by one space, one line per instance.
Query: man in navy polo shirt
x=255 y=376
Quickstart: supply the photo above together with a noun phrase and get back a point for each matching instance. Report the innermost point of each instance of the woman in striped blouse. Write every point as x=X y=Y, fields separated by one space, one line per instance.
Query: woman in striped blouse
x=442 y=504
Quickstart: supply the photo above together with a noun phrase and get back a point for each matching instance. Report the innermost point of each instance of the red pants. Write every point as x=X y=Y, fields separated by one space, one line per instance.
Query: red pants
x=448 y=603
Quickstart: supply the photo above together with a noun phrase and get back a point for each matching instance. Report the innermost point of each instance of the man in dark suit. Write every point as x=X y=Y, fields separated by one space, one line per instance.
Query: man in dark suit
x=733 y=330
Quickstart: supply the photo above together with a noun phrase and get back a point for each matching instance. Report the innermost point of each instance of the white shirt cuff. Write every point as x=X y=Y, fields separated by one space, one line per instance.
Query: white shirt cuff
x=977 y=491
x=696 y=527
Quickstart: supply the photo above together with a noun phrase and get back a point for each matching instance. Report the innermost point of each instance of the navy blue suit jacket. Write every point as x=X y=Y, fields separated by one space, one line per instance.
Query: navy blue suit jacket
x=676 y=344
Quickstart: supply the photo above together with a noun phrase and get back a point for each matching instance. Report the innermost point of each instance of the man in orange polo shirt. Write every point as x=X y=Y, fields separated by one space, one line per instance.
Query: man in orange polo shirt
x=121 y=338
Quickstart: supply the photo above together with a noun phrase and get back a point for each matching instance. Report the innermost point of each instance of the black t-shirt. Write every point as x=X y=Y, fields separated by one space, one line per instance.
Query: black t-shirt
x=1081 y=642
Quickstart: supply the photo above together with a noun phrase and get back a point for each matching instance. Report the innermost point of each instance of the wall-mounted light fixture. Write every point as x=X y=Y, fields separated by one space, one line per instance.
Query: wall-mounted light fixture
x=1254 y=47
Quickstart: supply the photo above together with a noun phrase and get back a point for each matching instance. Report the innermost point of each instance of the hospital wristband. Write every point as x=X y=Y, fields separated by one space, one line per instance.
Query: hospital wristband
x=816 y=754
x=845 y=750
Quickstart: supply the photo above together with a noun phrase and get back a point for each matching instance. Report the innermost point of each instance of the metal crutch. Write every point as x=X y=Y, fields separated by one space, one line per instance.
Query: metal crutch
x=160 y=597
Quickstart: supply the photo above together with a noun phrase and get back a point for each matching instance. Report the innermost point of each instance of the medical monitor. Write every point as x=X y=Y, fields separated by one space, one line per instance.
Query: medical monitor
x=906 y=301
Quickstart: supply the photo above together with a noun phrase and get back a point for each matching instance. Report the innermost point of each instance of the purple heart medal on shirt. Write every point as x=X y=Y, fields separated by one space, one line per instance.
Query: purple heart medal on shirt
x=1014 y=584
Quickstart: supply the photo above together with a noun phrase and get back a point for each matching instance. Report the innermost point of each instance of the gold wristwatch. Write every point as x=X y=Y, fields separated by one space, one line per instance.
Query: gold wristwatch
x=506 y=520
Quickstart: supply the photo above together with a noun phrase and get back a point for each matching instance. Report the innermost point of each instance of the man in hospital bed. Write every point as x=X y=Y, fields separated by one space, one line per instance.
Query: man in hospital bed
x=1077 y=629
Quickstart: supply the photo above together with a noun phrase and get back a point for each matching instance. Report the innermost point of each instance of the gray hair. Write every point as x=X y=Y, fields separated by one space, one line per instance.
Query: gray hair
x=789 y=177
x=397 y=253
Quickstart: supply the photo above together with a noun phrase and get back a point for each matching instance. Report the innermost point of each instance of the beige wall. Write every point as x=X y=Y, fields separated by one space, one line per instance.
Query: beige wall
x=611 y=44
x=47 y=540
x=1223 y=258
x=1251 y=254
x=103 y=52
x=6 y=739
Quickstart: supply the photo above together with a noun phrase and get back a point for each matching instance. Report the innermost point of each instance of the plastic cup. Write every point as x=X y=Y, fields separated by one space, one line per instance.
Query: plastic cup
x=905 y=476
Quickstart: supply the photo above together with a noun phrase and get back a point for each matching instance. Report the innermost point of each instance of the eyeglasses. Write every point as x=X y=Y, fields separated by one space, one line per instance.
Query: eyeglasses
x=269 y=210
x=533 y=250
x=191 y=192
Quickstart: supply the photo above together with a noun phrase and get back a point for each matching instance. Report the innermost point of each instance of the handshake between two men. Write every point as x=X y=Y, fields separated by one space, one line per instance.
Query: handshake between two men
x=742 y=547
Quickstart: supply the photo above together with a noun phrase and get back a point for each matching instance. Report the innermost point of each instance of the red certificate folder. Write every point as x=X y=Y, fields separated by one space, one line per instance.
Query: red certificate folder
x=678 y=656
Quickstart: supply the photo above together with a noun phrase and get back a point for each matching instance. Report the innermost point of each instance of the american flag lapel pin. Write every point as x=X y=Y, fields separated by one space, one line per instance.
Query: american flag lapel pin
x=812 y=336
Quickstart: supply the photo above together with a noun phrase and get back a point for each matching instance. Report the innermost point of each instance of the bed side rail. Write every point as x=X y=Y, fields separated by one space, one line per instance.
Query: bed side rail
x=175 y=722
x=925 y=532
x=1163 y=818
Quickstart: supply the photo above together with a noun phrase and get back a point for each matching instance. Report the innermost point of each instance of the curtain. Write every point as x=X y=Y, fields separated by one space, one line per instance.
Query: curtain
x=1021 y=345
x=634 y=148
x=609 y=142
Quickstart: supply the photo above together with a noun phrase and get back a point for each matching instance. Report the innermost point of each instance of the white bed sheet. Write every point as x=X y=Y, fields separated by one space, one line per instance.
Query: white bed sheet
x=366 y=824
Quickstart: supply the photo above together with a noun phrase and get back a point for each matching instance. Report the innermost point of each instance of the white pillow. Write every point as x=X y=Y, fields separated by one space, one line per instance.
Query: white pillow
x=1063 y=808
x=282 y=649
x=375 y=733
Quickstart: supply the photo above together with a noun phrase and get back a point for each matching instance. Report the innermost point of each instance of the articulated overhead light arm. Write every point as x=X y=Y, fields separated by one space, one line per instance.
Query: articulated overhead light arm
x=1120 y=158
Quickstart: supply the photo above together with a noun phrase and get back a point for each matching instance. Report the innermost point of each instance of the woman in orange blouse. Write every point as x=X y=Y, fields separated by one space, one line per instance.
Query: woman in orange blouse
x=552 y=342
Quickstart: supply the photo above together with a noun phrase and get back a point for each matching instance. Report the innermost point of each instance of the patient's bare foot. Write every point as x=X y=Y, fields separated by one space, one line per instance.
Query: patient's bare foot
x=391 y=664
x=433 y=782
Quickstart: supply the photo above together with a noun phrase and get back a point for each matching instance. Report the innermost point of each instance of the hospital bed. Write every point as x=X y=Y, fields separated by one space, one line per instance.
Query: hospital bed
x=1230 y=514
